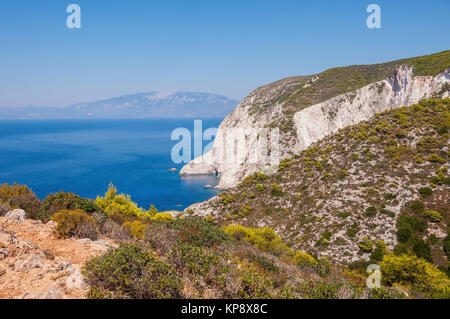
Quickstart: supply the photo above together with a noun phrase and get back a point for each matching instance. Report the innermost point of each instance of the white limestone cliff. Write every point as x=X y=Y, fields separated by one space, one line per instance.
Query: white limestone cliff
x=402 y=88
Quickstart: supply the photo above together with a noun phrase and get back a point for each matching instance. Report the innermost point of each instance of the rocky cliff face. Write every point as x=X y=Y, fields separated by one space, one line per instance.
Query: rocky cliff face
x=264 y=106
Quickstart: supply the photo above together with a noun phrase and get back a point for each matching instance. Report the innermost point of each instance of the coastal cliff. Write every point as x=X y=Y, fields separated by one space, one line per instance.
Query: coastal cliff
x=289 y=105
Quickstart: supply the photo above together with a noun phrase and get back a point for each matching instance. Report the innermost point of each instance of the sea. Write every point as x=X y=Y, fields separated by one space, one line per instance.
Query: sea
x=85 y=156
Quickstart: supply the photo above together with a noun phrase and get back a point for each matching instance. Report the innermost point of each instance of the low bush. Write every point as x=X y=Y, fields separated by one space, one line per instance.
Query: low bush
x=20 y=196
x=265 y=263
x=417 y=207
x=195 y=259
x=135 y=228
x=162 y=217
x=199 y=232
x=415 y=272
x=131 y=272
x=114 y=231
x=446 y=246
x=160 y=237
x=120 y=206
x=422 y=249
x=352 y=230
x=321 y=290
x=365 y=245
x=425 y=192
x=254 y=284
x=370 y=211
x=408 y=227
x=75 y=223
x=433 y=215
x=265 y=239
x=303 y=259
x=276 y=190
x=378 y=253
x=65 y=201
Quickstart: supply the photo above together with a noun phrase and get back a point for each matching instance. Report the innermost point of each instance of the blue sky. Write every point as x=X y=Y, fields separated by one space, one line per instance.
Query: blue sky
x=225 y=47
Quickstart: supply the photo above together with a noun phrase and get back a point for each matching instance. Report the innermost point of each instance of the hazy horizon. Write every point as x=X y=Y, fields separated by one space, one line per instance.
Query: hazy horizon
x=227 y=48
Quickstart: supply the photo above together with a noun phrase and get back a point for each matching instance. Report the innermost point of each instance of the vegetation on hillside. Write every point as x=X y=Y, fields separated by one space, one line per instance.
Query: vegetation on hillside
x=385 y=180
x=374 y=193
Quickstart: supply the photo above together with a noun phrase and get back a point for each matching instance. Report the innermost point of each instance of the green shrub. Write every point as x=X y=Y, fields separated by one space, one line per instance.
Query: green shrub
x=259 y=187
x=400 y=249
x=199 y=232
x=196 y=259
x=365 y=245
x=422 y=249
x=417 y=207
x=380 y=293
x=253 y=178
x=389 y=196
x=276 y=190
x=408 y=227
x=132 y=272
x=352 y=230
x=387 y=212
x=75 y=223
x=265 y=263
x=226 y=198
x=371 y=211
x=68 y=201
x=433 y=215
x=322 y=290
x=324 y=239
x=254 y=284
x=425 y=192
x=446 y=246
x=436 y=159
x=378 y=252
x=417 y=273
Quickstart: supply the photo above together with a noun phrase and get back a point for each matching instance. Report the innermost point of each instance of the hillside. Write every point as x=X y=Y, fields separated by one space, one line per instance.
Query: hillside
x=359 y=184
x=306 y=109
x=141 y=105
x=70 y=247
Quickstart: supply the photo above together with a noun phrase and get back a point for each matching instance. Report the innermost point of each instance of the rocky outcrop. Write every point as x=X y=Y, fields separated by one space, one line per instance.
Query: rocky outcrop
x=17 y=214
x=35 y=264
x=313 y=123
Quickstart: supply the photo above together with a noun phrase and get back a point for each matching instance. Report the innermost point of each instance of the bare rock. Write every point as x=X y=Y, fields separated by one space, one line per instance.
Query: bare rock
x=7 y=239
x=104 y=244
x=4 y=253
x=17 y=214
x=51 y=292
x=76 y=281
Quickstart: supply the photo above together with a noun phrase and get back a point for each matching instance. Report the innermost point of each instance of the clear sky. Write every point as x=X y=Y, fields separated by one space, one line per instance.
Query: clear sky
x=226 y=47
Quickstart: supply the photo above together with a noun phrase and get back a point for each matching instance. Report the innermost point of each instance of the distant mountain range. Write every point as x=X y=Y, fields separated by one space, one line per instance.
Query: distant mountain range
x=141 y=105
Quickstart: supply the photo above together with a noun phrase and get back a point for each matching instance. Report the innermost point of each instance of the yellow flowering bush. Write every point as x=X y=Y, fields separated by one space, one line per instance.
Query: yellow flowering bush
x=135 y=228
x=121 y=205
x=303 y=259
x=417 y=273
x=265 y=238
x=75 y=223
x=162 y=217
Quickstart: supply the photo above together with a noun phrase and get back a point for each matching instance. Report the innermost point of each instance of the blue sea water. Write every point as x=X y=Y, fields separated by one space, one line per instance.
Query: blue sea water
x=84 y=156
